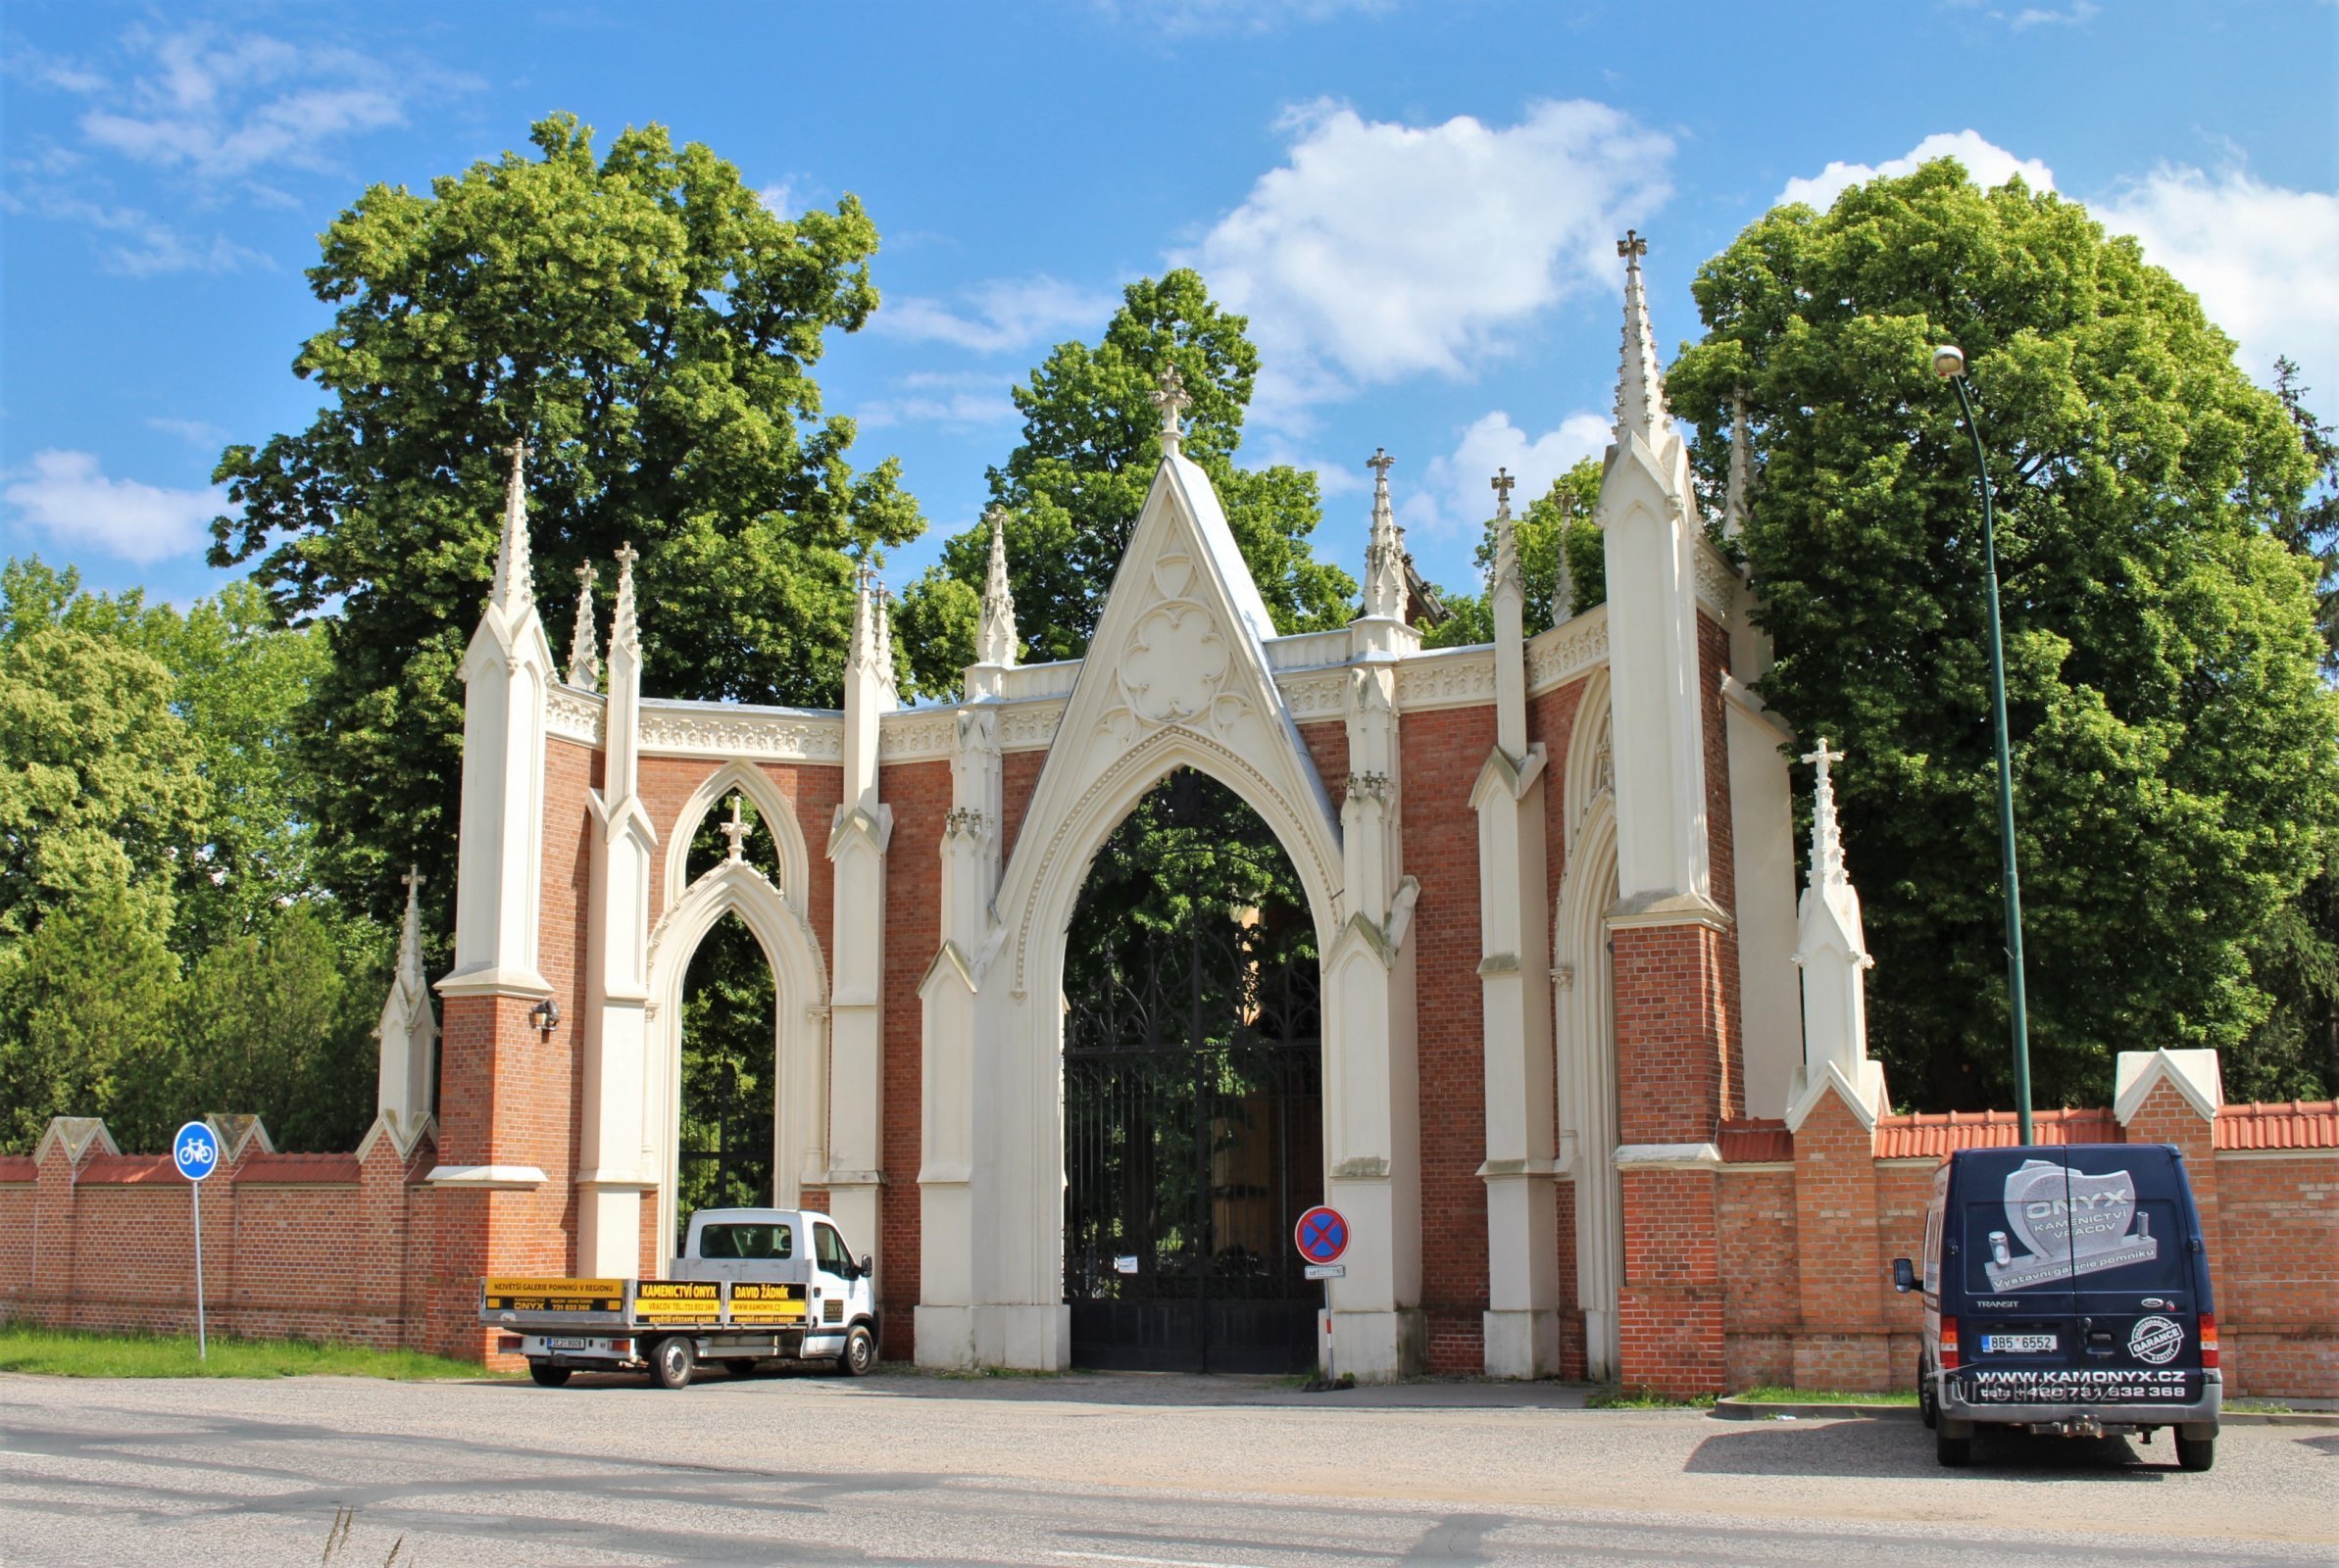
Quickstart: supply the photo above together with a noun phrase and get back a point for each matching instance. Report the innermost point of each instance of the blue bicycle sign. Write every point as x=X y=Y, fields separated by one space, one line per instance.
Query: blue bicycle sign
x=195 y=1151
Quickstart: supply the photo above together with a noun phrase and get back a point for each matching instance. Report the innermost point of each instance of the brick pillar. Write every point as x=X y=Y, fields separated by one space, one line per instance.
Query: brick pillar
x=1673 y=1088
x=1843 y=1343
x=2172 y=1097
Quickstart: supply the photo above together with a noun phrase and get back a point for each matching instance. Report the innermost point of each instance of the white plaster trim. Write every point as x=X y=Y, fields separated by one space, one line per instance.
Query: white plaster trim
x=575 y=715
x=486 y=1178
x=789 y=848
x=1668 y=910
x=1315 y=694
x=670 y=727
x=1866 y=1098
x=1742 y=697
x=1031 y=726
x=2277 y=1153
x=2192 y=1073
x=1772 y=1166
x=496 y=982
x=1568 y=652
x=402 y=1140
x=1913 y=1161
x=916 y=734
x=1511 y=1170
x=75 y=1135
x=1450 y=678
x=1668 y=1156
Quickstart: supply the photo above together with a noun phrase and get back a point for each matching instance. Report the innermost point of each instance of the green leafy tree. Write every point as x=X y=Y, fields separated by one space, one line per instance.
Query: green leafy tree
x=1559 y=520
x=649 y=326
x=1074 y=485
x=2174 y=756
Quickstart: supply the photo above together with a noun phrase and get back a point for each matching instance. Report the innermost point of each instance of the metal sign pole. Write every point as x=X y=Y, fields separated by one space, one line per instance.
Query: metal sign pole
x=1332 y=1373
x=202 y=1339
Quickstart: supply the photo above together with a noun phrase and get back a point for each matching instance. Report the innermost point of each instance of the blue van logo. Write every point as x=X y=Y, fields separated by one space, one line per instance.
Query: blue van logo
x=2068 y=1223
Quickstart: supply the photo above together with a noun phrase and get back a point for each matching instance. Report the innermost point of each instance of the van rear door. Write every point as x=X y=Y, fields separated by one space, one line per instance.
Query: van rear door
x=2017 y=1320
x=2132 y=1275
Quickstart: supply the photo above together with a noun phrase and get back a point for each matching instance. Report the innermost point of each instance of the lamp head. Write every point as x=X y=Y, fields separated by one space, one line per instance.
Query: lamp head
x=1949 y=361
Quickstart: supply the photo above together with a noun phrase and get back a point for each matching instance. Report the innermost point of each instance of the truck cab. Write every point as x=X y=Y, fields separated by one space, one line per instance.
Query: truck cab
x=2066 y=1291
x=788 y=1245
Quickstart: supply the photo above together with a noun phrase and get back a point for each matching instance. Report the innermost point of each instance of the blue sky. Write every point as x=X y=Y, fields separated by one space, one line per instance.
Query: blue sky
x=1415 y=203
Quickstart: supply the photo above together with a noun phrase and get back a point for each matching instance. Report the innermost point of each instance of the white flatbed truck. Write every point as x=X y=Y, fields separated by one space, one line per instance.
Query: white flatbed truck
x=752 y=1286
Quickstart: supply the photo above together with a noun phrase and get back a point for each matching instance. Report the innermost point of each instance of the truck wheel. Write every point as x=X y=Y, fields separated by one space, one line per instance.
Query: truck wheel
x=673 y=1360
x=2196 y=1454
x=1927 y=1409
x=861 y=1354
x=548 y=1376
x=1954 y=1453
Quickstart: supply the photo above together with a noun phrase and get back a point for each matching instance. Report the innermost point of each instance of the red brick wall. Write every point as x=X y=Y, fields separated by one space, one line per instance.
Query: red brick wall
x=1755 y=1213
x=1669 y=1307
x=920 y=794
x=1018 y=776
x=1327 y=748
x=1444 y=751
x=1671 y=1078
x=2277 y=1271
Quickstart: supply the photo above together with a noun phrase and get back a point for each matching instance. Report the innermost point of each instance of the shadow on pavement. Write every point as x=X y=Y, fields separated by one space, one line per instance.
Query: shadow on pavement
x=1859 y=1448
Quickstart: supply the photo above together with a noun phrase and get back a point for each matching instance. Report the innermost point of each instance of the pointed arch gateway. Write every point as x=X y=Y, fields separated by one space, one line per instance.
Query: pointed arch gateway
x=1584 y=1004
x=1175 y=676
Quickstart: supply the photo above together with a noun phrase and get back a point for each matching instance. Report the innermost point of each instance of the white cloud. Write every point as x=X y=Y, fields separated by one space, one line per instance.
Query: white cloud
x=201 y=433
x=2081 y=11
x=929 y=397
x=1185 y=18
x=2260 y=257
x=1988 y=164
x=1000 y=315
x=1456 y=497
x=67 y=496
x=145 y=245
x=1381 y=250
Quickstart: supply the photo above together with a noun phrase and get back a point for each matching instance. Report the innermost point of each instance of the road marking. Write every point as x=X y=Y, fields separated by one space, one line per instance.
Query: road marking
x=1153 y=1562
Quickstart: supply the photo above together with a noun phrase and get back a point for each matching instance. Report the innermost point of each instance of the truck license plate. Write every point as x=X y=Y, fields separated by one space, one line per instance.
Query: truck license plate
x=2019 y=1344
x=569 y=1344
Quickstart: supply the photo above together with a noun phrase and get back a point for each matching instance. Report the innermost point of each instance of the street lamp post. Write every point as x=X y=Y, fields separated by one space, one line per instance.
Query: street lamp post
x=1949 y=364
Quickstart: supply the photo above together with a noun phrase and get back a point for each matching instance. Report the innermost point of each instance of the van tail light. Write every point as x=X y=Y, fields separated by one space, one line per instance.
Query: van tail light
x=2209 y=1342
x=509 y=1344
x=622 y=1346
x=1948 y=1345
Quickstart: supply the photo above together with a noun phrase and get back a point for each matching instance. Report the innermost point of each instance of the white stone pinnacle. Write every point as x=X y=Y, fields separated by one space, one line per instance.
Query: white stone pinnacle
x=881 y=652
x=1640 y=382
x=623 y=632
x=1562 y=588
x=1733 y=508
x=409 y=935
x=995 y=640
x=515 y=585
x=1827 y=843
x=1384 y=548
x=1506 y=536
x=584 y=653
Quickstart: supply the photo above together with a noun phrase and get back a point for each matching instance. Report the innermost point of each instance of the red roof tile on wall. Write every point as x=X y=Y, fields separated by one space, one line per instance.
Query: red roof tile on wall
x=1930 y=1137
x=265 y=1168
x=19 y=1168
x=1755 y=1139
x=2299 y=1124
x=127 y=1169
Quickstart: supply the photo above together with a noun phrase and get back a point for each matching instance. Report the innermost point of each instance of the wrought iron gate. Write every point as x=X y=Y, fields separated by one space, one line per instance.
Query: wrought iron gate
x=1193 y=1109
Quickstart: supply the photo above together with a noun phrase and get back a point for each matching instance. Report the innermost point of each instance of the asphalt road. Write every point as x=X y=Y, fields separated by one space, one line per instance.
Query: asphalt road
x=1083 y=1470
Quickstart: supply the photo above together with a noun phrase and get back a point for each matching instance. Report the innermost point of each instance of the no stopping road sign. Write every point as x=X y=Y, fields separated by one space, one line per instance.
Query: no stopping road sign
x=1322 y=1235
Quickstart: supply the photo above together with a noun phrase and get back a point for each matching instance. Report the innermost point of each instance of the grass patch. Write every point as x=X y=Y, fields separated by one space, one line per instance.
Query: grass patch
x=1620 y=1399
x=1779 y=1395
x=2260 y=1407
x=80 y=1353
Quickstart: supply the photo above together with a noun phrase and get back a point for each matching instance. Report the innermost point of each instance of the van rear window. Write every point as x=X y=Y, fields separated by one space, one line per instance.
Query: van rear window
x=756 y=1242
x=2086 y=1230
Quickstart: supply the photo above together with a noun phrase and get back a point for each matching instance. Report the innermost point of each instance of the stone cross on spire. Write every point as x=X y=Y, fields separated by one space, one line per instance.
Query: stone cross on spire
x=515 y=585
x=1171 y=399
x=1640 y=383
x=737 y=831
x=1827 y=843
x=1384 y=548
x=584 y=654
x=995 y=638
x=1502 y=484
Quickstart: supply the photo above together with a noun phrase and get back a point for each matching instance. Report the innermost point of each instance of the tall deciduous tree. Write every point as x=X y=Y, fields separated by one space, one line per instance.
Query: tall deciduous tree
x=2174 y=768
x=1075 y=484
x=649 y=326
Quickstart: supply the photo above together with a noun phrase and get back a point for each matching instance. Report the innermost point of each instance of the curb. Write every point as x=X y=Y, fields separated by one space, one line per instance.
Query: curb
x=1737 y=1409
x=2269 y=1418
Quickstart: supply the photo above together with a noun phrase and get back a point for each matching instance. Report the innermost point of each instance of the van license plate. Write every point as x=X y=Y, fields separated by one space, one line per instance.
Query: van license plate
x=570 y=1345
x=2018 y=1343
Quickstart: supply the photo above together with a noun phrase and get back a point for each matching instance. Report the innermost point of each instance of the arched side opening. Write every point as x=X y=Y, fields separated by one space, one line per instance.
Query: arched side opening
x=1584 y=1007
x=1193 y=1091
x=736 y=1079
